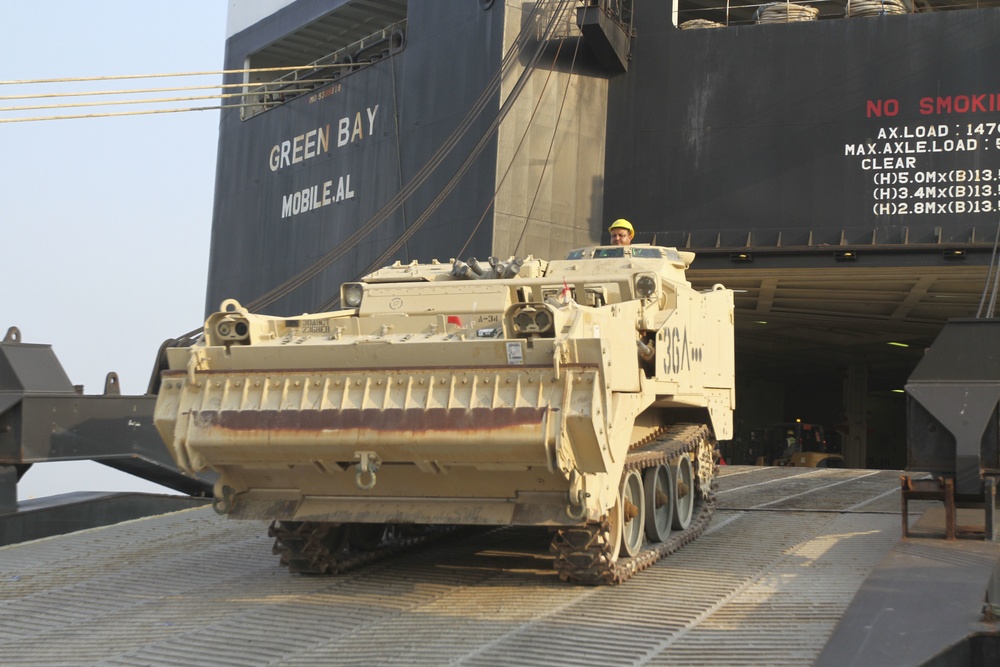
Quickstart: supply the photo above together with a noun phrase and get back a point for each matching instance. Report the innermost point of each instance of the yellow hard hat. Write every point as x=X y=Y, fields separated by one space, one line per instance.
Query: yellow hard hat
x=623 y=224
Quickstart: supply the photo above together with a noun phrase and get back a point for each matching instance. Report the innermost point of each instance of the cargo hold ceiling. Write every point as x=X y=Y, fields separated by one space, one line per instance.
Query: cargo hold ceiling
x=797 y=320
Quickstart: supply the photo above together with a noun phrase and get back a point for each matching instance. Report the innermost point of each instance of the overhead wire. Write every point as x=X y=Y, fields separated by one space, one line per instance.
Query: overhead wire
x=160 y=75
x=492 y=88
x=548 y=153
x=422 y=175
x=991 y=312
x=295 y=87
x=510 y=165
x=520 y=144
x=379 y=217
x=124 y=91
x=505 y=109
x=146 y=112
x=992 y=272
x=494 y=126
x=111 y=103
x=399 y=143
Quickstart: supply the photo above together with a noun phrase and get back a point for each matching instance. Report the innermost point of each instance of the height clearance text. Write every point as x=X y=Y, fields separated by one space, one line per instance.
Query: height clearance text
x=943 y=168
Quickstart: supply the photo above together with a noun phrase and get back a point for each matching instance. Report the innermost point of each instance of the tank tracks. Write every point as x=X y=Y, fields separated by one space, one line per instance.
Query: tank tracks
x=310 y=547
x=585 y=554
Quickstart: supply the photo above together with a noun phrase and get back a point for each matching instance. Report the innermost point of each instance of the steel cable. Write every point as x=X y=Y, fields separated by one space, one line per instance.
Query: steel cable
x=529 y=69
x=996 y=286
x=425 y=172
x=463 y=169
x=137 y=91
x=548 y=153
x=510 y=165
x=447 y=146
x=990 y=273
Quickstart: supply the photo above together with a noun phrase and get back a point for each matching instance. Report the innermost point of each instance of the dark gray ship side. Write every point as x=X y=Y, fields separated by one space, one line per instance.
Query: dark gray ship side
x=839 y=168
x=408 y=121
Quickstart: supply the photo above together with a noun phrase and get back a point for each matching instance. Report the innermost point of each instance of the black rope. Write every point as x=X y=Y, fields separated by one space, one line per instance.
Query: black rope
x=492 y=87
x=990 y=272
x=470 y=159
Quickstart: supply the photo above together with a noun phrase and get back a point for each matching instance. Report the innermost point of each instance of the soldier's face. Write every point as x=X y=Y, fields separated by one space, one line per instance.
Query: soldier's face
x=620 y=236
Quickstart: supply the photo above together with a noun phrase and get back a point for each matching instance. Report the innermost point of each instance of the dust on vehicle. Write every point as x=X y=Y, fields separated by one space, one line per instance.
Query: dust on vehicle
x=584 y=394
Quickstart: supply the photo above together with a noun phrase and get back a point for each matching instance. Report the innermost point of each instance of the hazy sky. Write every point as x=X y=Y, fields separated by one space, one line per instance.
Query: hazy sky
x=106 y=221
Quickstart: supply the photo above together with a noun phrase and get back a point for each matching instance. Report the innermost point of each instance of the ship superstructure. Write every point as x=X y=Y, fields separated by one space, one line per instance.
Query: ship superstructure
x=837 y=164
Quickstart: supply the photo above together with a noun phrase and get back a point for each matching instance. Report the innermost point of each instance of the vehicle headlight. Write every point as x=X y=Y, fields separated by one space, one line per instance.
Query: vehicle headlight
x=645 y=286
x=232 y=328
x=352 y=294
x=529 y=319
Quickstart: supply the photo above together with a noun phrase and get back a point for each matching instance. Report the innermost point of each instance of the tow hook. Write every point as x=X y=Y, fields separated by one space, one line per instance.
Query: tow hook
x=577 y=508
x=369 y=464
x=223 y=503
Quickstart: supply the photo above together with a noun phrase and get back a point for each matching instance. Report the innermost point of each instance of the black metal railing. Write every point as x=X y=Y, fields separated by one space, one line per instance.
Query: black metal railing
x=331 y=67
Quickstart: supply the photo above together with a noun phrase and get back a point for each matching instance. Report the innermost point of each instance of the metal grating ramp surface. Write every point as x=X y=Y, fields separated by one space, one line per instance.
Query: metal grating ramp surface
x=767 y=583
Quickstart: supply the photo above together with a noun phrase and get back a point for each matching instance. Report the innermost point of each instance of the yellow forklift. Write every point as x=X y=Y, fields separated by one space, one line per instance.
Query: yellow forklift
x=799 y=445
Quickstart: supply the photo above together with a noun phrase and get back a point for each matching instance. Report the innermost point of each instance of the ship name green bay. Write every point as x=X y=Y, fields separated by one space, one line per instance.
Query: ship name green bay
x=312 y=144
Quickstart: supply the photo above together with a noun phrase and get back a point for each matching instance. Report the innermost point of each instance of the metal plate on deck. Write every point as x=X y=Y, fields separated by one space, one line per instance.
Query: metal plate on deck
x=766 y=584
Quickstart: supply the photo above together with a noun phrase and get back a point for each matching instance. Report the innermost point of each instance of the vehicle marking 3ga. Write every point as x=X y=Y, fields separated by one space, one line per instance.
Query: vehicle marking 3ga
x=677 y=356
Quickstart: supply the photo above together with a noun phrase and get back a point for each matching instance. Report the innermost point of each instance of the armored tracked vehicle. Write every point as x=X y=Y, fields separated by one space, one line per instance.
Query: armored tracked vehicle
x=584 y=394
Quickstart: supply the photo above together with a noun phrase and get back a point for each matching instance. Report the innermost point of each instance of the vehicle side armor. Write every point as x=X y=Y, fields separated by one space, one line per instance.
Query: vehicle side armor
x=584 y=394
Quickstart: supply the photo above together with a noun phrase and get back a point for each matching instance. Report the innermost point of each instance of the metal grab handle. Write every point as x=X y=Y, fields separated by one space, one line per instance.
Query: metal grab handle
x=557 y=351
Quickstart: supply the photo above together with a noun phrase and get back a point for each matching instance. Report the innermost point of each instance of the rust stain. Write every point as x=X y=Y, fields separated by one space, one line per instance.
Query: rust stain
x=391 y=420
x=292 y=372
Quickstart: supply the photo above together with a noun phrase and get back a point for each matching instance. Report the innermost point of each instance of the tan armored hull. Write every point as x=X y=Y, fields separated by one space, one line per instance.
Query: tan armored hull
x=518 y=400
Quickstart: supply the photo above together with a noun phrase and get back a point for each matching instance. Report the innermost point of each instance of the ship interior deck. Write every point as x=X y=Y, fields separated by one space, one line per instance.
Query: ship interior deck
x=817 y=333
x=793 y=320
